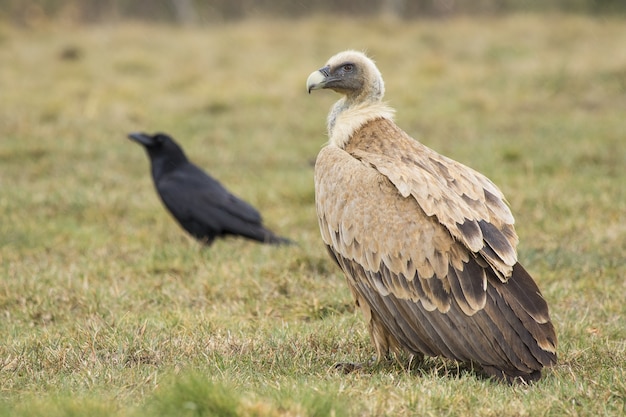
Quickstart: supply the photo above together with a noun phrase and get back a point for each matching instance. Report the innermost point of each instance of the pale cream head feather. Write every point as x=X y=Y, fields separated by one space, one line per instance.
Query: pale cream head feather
x=356 y=76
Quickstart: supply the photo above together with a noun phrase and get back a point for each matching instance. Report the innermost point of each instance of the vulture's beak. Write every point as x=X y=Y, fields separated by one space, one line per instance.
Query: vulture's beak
x=318 y=79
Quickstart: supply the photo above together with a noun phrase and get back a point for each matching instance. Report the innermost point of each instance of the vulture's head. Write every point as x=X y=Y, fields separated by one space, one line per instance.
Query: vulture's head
x=350 y=73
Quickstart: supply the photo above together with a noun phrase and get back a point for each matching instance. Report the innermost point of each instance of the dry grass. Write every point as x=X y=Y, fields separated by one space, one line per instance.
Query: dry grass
x=109 y=309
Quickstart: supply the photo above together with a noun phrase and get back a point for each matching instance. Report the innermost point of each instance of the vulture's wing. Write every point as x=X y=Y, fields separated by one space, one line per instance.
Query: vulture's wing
x=364 y=219
x=423 y=286
x=466 y=202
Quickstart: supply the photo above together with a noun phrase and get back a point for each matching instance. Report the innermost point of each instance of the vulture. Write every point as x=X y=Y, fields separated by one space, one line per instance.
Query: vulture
x=198 y=202
x=426 y=243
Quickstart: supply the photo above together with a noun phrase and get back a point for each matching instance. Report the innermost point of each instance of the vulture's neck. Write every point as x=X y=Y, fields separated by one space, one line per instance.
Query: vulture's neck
x=347 y=117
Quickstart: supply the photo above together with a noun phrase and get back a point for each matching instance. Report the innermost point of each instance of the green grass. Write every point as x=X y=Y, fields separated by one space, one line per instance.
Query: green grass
x=108 y=309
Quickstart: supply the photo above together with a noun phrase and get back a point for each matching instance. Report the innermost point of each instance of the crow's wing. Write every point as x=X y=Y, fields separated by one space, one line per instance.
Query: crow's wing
x=202 y=204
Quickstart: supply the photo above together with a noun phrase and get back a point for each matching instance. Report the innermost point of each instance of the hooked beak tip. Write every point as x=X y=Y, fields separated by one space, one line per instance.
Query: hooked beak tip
x=316 y=80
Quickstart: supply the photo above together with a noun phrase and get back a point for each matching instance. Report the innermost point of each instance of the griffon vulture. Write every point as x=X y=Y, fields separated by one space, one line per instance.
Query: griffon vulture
x=198 y=202
x=427 y=244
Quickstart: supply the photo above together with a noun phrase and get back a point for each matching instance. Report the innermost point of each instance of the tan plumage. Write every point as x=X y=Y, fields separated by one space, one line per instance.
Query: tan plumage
x=427 y=244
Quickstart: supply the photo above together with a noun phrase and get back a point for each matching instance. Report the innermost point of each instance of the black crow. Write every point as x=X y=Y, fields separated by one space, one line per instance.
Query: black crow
x=199 y=203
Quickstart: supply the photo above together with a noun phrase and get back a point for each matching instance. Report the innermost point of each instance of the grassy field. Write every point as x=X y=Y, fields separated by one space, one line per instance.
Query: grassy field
x=108 y=309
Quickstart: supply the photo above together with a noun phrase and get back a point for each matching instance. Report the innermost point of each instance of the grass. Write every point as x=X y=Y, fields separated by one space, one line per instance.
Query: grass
x=108 y=309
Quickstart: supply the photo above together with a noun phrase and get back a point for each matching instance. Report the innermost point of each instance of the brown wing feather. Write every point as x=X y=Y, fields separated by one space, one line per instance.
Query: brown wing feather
x=496 y=337
x=407 y=241
x=419 y=285
x=466 y=202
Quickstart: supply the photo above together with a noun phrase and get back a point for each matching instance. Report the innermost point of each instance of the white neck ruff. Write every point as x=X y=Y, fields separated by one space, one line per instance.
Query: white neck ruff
x=344 y=121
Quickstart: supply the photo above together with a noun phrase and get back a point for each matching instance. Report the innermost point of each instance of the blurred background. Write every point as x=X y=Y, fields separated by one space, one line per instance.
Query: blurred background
x=26 y=12
x=102 y=296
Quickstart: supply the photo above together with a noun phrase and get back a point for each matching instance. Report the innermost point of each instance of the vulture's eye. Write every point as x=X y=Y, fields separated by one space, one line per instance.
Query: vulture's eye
x=348 y=67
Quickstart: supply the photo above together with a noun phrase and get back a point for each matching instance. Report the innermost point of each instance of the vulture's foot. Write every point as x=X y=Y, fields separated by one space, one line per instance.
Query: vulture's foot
x=347 y=367
x=512 y=377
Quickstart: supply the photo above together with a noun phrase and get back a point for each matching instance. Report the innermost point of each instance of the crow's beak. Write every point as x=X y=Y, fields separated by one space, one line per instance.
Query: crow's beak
x=142 y=138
